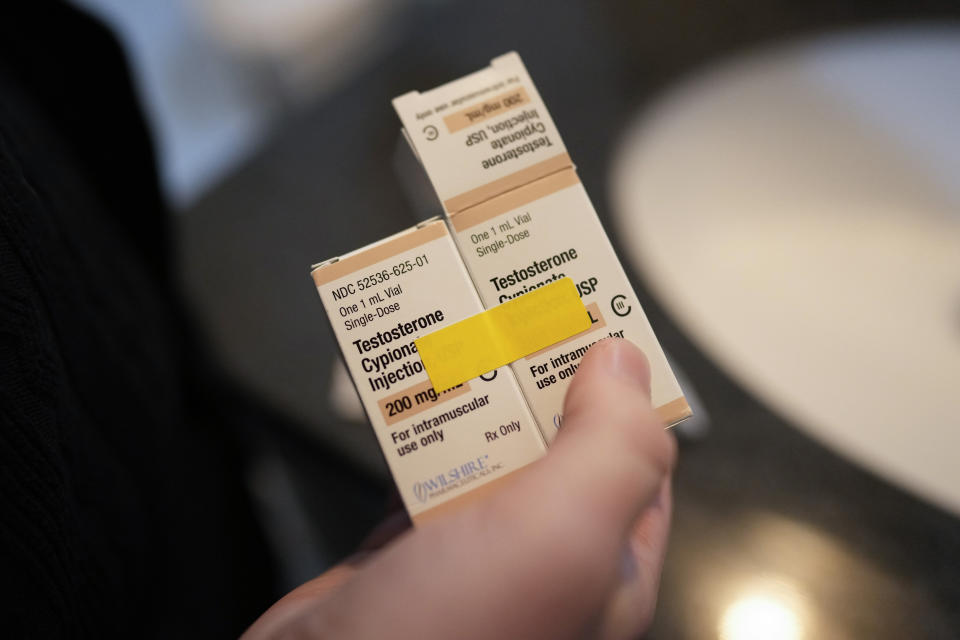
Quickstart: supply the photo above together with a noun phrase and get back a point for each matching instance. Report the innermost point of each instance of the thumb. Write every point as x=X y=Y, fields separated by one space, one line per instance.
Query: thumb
x=612 y=452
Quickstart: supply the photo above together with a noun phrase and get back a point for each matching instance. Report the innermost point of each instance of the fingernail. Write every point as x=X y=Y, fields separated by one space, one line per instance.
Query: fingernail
x=623 y=360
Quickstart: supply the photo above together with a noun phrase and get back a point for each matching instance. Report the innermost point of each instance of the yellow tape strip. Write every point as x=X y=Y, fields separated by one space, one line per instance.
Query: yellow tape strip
x=498 y=336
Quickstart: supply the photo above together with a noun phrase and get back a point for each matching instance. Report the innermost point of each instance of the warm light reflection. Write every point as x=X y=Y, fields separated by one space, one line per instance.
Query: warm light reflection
x=760 y=618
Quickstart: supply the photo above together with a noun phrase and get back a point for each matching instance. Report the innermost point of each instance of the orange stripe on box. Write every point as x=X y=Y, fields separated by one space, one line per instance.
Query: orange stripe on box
x=404 y=241
x=674 y=411
x=491 y=107
x=422 y=390
x=506 y=183
x=514 y=199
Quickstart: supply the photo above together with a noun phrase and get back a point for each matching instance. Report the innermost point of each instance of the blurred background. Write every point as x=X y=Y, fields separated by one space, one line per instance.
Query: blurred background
x=780 y=179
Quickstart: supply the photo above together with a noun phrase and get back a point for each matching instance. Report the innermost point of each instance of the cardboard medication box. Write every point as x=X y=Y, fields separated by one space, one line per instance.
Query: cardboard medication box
x=438 y=446
x=522 y=219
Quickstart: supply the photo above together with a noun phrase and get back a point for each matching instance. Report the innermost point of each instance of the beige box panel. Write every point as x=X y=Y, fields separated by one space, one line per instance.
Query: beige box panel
x=516 y=233
x=379 y=299
x=482 y=134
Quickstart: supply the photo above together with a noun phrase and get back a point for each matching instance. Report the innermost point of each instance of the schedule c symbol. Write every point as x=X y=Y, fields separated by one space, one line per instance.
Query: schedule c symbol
x=619 y=305
x=431 y=132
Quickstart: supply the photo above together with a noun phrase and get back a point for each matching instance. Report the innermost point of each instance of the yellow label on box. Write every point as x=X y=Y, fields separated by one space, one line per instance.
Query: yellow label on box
x=503 y=334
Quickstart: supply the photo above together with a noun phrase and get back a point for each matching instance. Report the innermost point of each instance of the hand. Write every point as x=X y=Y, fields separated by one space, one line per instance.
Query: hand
x=571 y=547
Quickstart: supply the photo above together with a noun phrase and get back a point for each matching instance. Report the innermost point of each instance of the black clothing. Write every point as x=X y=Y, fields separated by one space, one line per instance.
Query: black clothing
x=122 y=510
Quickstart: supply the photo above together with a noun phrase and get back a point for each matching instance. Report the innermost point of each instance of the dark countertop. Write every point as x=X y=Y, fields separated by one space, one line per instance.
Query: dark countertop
x=759 y=505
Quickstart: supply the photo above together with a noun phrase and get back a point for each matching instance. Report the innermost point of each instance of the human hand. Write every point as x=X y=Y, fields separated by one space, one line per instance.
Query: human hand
x=572 y=546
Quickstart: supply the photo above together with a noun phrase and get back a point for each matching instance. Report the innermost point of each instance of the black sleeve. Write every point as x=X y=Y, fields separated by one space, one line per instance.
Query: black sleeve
x=123 y=509
x=38 y=531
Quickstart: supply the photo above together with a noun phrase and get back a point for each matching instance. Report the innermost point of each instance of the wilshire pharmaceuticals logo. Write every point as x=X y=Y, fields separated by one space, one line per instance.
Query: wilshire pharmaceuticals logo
x=455 y=478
